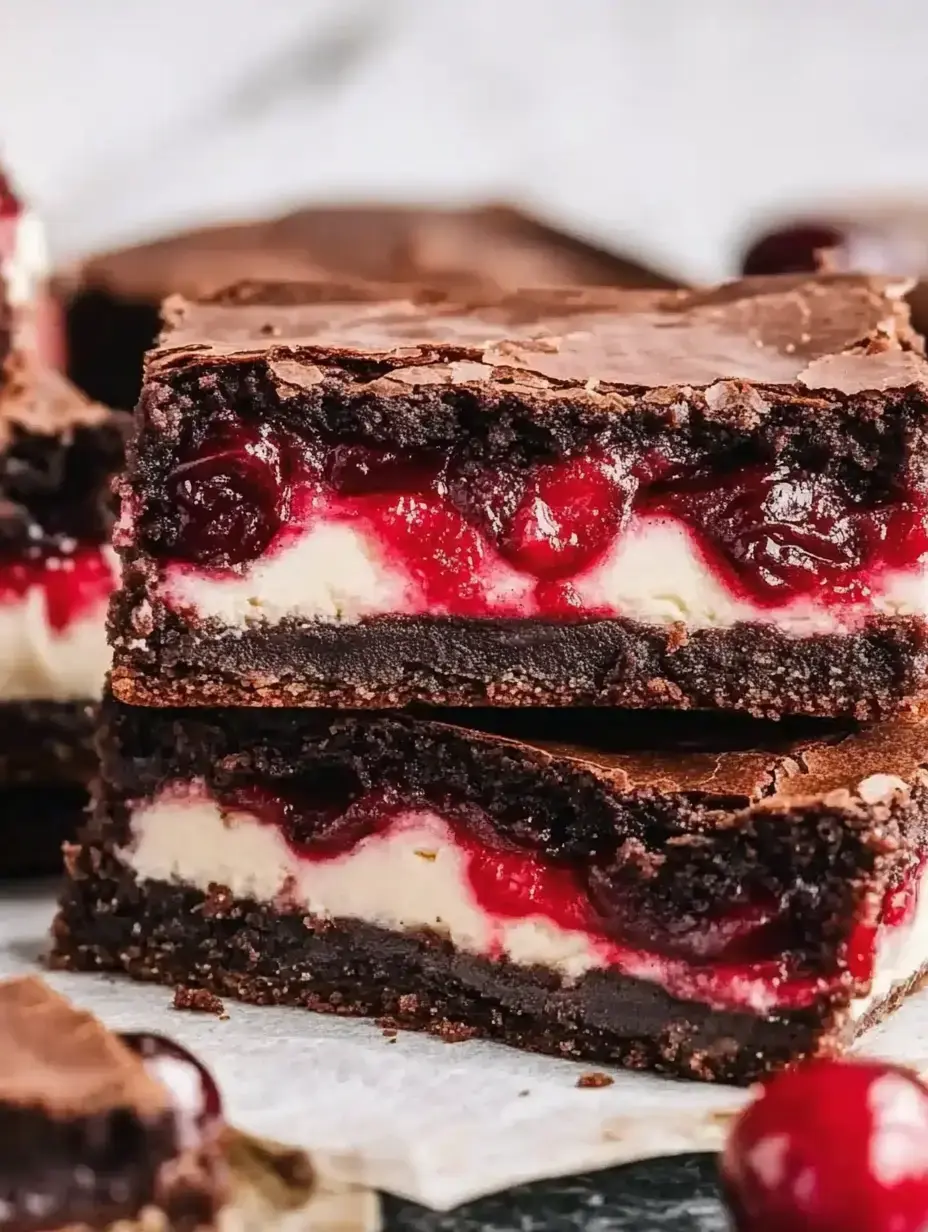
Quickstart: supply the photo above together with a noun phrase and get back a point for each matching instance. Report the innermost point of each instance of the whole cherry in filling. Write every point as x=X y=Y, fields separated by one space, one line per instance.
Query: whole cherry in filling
x=832 y=1146
x=230 y=496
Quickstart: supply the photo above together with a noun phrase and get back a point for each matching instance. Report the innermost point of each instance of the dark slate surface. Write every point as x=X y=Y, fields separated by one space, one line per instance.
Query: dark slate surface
x=667 y=1195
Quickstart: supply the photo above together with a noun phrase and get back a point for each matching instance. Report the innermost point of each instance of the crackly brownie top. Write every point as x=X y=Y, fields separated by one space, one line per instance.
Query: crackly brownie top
x=754 y=760
x=62 y=1060
x=41 y=402
x=838 y=332
x=471 y=247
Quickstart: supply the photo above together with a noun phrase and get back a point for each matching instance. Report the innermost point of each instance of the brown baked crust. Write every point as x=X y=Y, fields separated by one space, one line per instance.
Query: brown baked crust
x=389 y=662
x=58 y=455
x=113 y=300
x=674 y=813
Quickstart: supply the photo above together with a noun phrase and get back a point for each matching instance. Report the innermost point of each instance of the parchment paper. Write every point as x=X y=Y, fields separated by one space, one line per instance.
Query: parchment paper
x=438 y=1123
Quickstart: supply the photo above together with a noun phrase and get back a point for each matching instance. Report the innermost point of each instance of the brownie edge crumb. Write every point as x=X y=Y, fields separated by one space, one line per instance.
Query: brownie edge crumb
x=200 y=1000
x=595 y=1078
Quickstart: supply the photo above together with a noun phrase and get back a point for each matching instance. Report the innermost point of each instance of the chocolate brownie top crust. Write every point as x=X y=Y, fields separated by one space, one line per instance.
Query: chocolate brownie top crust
x=41 y=402
x=844 y=333
x=61 y=1059
x=490 y=245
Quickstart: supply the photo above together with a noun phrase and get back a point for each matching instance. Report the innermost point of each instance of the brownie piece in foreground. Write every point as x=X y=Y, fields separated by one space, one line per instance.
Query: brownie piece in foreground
x=113 y=300
x=750 y=894
x=23 y=269
x=92 y=1134
x=711 y=499
x=58 y=453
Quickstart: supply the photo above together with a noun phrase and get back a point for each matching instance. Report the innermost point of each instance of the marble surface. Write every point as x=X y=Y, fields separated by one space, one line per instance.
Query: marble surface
x=673 y=1195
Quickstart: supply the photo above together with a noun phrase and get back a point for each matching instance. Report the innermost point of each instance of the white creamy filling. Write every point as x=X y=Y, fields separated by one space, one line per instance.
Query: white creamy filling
x=40 y=663
x=414 y=875
x=408 y=877
x=26 y=268
x=653 y=573
x=901 y=954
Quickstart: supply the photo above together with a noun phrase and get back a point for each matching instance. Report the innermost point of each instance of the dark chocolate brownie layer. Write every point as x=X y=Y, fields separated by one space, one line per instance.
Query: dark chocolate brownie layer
x=163 y=932
x=660 y=817
x=394 y=661
x=48 y=743
x=113 y=300
x=47 y=760
x=58 y=454
x=820 y=377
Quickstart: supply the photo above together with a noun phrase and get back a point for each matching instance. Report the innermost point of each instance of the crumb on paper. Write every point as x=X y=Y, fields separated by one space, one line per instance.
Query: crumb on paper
x=522 y=1094
x=390 y=1033
x=595 y=1078
x=453 y=1032
x=201 y=1000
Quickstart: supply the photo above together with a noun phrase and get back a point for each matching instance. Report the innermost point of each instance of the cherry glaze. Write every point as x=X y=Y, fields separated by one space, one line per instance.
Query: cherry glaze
x=741 y=956
x=832 y=1146
x=73 y=585
x=10 y=210
x=475 y=539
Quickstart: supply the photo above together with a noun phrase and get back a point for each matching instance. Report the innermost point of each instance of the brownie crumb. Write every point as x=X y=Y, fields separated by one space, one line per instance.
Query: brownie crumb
x=454 y=1032
x=595 y=1078
x=199 y=999
x=390 y=1033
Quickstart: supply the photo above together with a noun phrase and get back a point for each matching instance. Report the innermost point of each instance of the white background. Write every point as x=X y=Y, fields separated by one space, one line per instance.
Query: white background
x=665 y=125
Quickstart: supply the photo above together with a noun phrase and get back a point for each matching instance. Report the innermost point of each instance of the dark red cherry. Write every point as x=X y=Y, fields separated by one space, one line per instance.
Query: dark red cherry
x=230 y=497
x=832 y=1146
x=785 y=534
x=195 y=1095
x=569 y=513
x=354 y=470
x=9 y=203
x=792 y=250
x=314 y=830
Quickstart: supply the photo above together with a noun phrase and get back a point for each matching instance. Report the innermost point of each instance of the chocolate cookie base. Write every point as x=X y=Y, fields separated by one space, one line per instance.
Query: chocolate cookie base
x=387 y=662
x=166 y=933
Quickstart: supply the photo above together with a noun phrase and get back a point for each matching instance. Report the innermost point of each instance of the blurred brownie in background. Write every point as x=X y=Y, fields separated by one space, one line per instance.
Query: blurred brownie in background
x=113 y=300
x=23 y=269
x=863 y=239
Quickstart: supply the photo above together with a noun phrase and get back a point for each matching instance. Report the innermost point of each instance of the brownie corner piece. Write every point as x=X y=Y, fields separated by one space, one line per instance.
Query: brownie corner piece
x=94 y=1133
x=691 y=499
x=748 y=895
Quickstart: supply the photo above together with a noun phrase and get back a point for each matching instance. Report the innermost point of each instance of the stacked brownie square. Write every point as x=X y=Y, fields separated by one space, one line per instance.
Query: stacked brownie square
x=548 y=668
x=58 y=452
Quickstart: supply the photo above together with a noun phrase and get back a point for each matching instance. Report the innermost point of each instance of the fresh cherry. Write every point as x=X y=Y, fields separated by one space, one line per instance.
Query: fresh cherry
x=792 y=250
x=231 y=496
x=197 y=1102
x=832 y=1146
x=569 y=513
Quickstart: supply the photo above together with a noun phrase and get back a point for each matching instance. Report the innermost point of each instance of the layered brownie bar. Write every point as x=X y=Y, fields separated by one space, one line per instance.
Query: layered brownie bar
x=113 y=300
x=100 y=1131
x=707 y=499
x=57 y=455
x=23 y=268
x=746 y=895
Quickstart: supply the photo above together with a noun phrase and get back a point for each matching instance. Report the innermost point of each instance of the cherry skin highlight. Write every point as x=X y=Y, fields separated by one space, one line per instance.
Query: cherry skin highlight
x=832 y=1146
x=195 y=1095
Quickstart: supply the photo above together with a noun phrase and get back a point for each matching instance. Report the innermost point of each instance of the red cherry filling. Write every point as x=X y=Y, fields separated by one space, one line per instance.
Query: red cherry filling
x=831 y=1147
x=230 y=497
x=73 y=584
x=569 y=513
x=787 y=535
x=195 y=1095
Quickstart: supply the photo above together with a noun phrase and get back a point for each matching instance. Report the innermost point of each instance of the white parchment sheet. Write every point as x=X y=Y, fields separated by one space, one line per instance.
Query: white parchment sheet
x=438 y=1123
